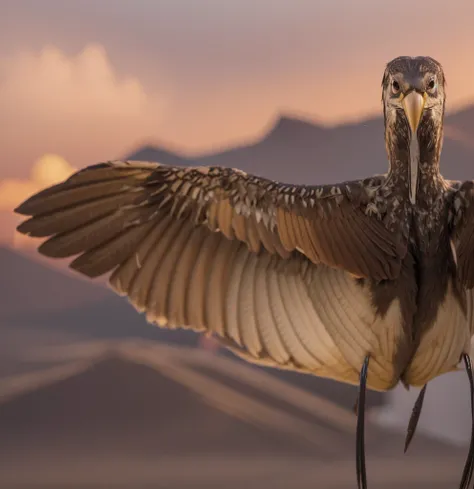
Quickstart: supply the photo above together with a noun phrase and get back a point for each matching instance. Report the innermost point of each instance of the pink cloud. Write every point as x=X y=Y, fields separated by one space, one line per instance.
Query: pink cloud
x=74 y=106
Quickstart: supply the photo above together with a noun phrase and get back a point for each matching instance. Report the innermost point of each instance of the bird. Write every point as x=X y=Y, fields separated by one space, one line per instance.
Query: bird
x=368 y=282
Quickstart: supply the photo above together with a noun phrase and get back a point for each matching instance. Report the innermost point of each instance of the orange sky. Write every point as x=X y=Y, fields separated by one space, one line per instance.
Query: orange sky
x=92 y=80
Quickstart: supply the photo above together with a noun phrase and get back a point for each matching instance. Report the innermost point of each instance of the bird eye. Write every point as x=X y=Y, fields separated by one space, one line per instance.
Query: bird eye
x=395 y=87
x=432 y=84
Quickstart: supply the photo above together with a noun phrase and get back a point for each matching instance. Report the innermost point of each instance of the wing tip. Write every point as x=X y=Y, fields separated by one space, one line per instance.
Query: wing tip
x=22 y=228
x=48 y=249
x=24 y=208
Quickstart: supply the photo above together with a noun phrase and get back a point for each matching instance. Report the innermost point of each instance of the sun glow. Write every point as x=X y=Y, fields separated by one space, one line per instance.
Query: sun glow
x=48 y=170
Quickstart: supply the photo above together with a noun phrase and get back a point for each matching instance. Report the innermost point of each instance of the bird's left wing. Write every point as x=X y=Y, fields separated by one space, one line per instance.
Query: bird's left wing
x=259 y=264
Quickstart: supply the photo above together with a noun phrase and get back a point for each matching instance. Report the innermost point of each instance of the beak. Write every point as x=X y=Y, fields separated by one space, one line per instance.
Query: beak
x=413 y=105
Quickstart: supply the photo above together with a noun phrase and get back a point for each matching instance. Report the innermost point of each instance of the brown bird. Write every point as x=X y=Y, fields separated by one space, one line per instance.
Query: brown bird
x=366 y=282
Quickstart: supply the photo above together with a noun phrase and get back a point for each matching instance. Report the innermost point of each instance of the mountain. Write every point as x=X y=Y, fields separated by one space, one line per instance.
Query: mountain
x=27 y=285
x=156 y=397
x=287 y=128
x=108 y=318
x=299 y=151
x=462 y=119
x=41 y=306
x=153 y=153
x=146 y=416
x=33 y=295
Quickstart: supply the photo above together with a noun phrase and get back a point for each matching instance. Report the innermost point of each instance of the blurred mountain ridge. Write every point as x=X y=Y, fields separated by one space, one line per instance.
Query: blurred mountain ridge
x=298 y=150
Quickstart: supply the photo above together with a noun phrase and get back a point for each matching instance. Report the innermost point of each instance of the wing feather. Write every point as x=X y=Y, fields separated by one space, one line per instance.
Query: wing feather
x=142 y=284
x=270 y=319
x=295 y=336
x=246 y=306
x=104 y=256
x=219 y=297
x=124 y=275
x=233 y=306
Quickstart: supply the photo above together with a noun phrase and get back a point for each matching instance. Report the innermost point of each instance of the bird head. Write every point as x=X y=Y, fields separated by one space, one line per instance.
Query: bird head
x=413 y=95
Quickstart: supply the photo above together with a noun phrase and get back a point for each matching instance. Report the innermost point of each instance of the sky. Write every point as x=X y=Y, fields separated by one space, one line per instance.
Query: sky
x=89 y=81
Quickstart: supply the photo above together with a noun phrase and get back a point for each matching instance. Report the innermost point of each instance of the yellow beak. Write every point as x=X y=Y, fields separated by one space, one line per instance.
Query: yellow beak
x=413 y=105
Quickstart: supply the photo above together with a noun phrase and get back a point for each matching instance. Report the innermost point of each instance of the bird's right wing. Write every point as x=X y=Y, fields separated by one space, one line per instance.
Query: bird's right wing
x=261 y=265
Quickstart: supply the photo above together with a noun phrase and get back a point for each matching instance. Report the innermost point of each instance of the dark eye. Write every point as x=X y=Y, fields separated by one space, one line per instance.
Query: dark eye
x=395 y=86
x=432 y=84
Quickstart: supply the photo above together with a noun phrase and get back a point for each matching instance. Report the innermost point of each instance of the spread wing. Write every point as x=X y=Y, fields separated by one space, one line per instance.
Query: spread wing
x=217 y=250
x=105 y=210
x=462 y=222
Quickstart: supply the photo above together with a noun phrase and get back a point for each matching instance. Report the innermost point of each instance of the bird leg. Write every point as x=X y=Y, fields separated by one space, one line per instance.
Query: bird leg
x=360 y=448
x=415 y=416
x=469 y=465
x=356 y=406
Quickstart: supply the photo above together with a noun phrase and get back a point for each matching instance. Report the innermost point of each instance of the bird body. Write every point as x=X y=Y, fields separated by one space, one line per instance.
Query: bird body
x=367 y=281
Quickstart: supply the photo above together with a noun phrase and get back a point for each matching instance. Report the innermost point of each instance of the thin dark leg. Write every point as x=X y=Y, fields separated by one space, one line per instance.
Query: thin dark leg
x=415 y=416
x=356 y=406
x=360 y=442
x=469 y=465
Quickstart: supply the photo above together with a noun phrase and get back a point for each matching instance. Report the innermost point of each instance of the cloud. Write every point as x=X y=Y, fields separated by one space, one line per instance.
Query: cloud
x=77 y=106
x=48 y=170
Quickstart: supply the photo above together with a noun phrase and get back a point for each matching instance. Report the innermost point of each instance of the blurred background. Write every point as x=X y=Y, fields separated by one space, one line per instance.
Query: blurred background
x=90 y=395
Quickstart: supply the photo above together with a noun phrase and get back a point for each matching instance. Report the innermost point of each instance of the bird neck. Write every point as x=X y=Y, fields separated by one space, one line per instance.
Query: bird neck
x=414 y=161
